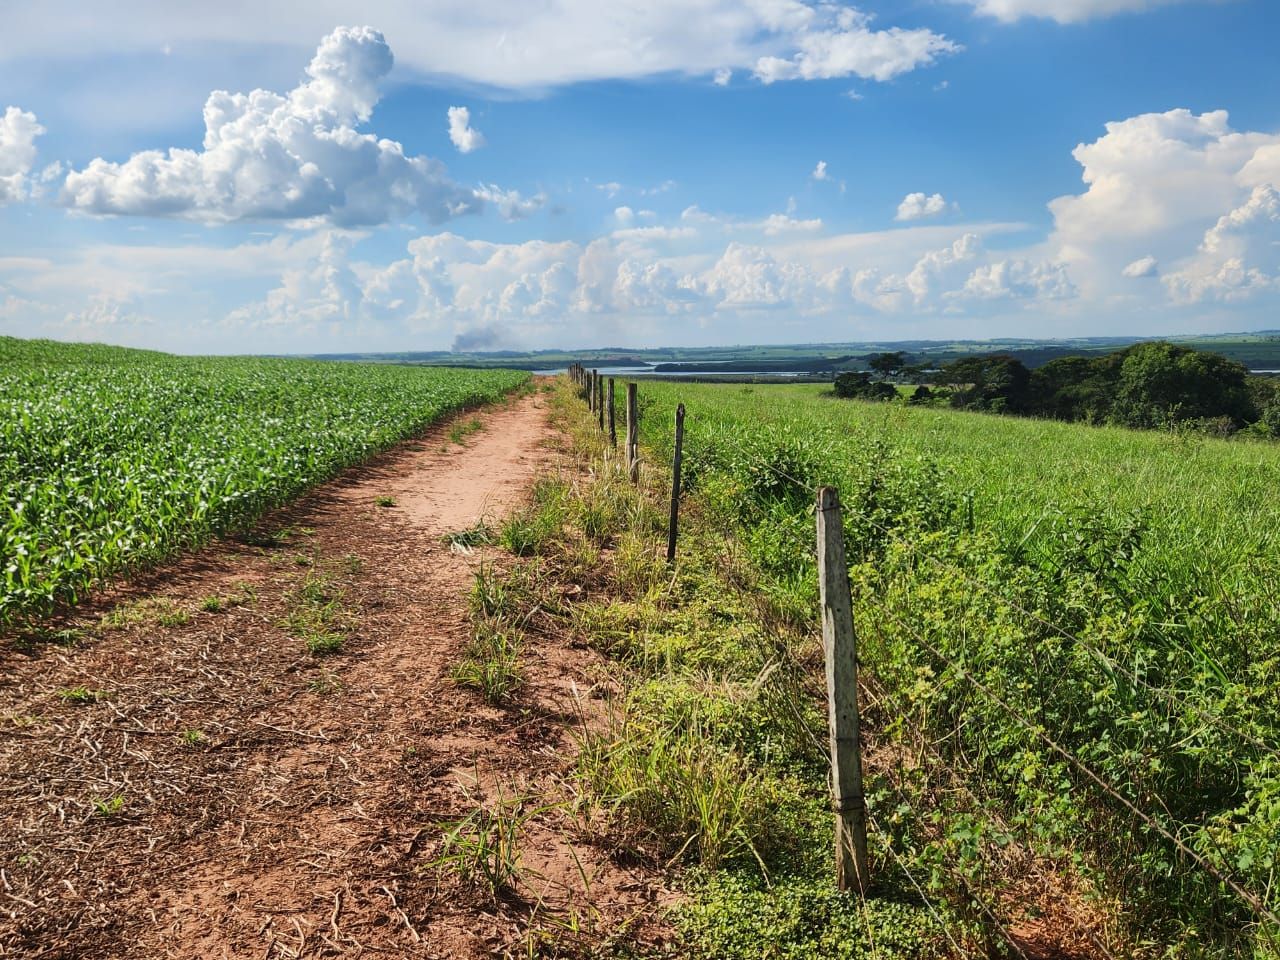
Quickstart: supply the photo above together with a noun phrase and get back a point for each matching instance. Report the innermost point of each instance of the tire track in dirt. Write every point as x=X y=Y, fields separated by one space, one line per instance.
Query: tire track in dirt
x=202 y=787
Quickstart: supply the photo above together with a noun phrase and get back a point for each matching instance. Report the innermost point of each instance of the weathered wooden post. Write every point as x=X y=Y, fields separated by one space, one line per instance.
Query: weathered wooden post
x=840 y=651
x=675 y=485
x=633 y=433
x=591 y=391
x=600 y=403
x=613 y=424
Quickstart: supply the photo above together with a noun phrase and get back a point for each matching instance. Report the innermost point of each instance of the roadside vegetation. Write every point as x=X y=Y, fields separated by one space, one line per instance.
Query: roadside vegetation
x=1068 y=638
x=112 y=459
x=707 y=758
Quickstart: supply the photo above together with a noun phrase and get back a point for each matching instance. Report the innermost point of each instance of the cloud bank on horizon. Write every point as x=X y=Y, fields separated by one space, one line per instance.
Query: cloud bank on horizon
x=300 y=210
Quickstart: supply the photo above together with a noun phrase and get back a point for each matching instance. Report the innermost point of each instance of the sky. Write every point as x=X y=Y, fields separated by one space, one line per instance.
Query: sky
x=436 y=174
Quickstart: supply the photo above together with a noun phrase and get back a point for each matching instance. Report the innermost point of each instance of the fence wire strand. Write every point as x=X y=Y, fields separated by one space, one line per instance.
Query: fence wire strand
x=1248 y=898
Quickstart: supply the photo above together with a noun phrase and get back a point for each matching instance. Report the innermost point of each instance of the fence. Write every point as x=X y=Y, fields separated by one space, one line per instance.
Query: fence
x=844 y=689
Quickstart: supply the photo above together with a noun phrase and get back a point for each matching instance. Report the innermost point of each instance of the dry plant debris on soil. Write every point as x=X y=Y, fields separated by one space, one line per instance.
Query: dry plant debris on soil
x=259 y=750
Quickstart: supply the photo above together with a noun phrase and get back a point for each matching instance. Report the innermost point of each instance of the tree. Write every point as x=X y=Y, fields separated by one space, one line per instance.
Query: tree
x=858 y=385
x=1160 y=382
x=888 y=365
x=994 y=382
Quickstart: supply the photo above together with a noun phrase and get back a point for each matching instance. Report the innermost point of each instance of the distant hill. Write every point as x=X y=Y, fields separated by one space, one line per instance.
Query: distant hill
x=1258 y=351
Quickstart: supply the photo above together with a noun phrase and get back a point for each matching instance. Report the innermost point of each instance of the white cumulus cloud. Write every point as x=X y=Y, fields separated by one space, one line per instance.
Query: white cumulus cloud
x=510 y=204
x=1063 y=11
x=820 y=171
x=18 y=132
x=843 y=44
x=297 y=156
x=511 y=44
x=464 y=136
x=1147 y=266
x=1179 y=188
x=1239 y=256
x=918 y=206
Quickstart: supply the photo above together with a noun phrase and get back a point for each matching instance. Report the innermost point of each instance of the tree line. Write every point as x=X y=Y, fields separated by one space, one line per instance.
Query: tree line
x=1148 y=385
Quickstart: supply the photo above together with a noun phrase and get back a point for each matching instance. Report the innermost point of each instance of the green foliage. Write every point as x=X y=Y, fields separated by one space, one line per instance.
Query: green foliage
x=109 y=807
x=483 y=848
x=996 y=383
x=81 y=694
x=319 y=615
x=737 y=917
x=111 y=458
x=491 y=662
x=857 y=385
x=1113 y=589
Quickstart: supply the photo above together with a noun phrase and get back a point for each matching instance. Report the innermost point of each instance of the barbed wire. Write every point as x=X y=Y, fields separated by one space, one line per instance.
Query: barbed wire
x=1247 y=897
x=1161 y=692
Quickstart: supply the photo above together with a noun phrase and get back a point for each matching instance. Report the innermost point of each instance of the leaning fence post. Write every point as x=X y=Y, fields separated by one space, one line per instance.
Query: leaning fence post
x=613 y=423
x=839 y=646
x=675 y=485
x=633 y=433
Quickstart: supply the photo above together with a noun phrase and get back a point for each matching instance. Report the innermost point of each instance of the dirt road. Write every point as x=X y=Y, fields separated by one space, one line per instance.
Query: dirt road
x=187 y=780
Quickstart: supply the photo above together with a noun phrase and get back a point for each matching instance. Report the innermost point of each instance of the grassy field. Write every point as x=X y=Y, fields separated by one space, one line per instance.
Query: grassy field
x=113 y=458
x=1070 y=637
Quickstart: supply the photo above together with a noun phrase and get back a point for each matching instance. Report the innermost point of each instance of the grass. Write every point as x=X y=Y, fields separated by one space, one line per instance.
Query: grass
x=1113 y=587
x=385 y=501
x=475 y=536
x=709 y=758
x=490 y=663
x=81 y=695
x=459 y=432
x=161 y=611
x=482 y=849
x=319 y=614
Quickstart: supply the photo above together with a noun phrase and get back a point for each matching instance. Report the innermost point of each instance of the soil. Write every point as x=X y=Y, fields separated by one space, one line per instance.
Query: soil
x=184 y=781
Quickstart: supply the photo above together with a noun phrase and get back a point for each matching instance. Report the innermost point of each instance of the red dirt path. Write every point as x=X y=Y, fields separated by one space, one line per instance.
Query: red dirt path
x=225 y=794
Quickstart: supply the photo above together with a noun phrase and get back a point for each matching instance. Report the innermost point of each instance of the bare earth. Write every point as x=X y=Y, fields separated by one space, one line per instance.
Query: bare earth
x=216 y=791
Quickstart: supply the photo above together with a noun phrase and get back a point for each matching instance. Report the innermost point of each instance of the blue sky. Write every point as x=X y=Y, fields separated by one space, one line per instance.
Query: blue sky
x=419 y=175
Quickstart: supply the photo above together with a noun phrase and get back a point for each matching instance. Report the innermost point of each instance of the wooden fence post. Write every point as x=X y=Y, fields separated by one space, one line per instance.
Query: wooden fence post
x=600 y=403
x=840 y=651
x=633 y=433
x=591 y=390
x=675 y=485
x=613 y=424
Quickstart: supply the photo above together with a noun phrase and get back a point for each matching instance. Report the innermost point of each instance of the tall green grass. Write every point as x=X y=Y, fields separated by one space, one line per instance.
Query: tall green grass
x=1024 y=583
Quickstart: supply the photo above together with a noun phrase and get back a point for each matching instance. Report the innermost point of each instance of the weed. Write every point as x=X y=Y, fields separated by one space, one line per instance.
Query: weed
x=322 y=643
x=159 y=610
x=474 y=536
x=483 y=848
x=460 y=431
x=352 y=564
x=325 y=684
x=110 y=806
x=489 y=595
x=193 y=738
x=491 y=662
x=319 y=615
x=211 y=604
x=525 y=532
x=81 y=694
x=303 y=560
x=173 y=618
x=385 y=501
